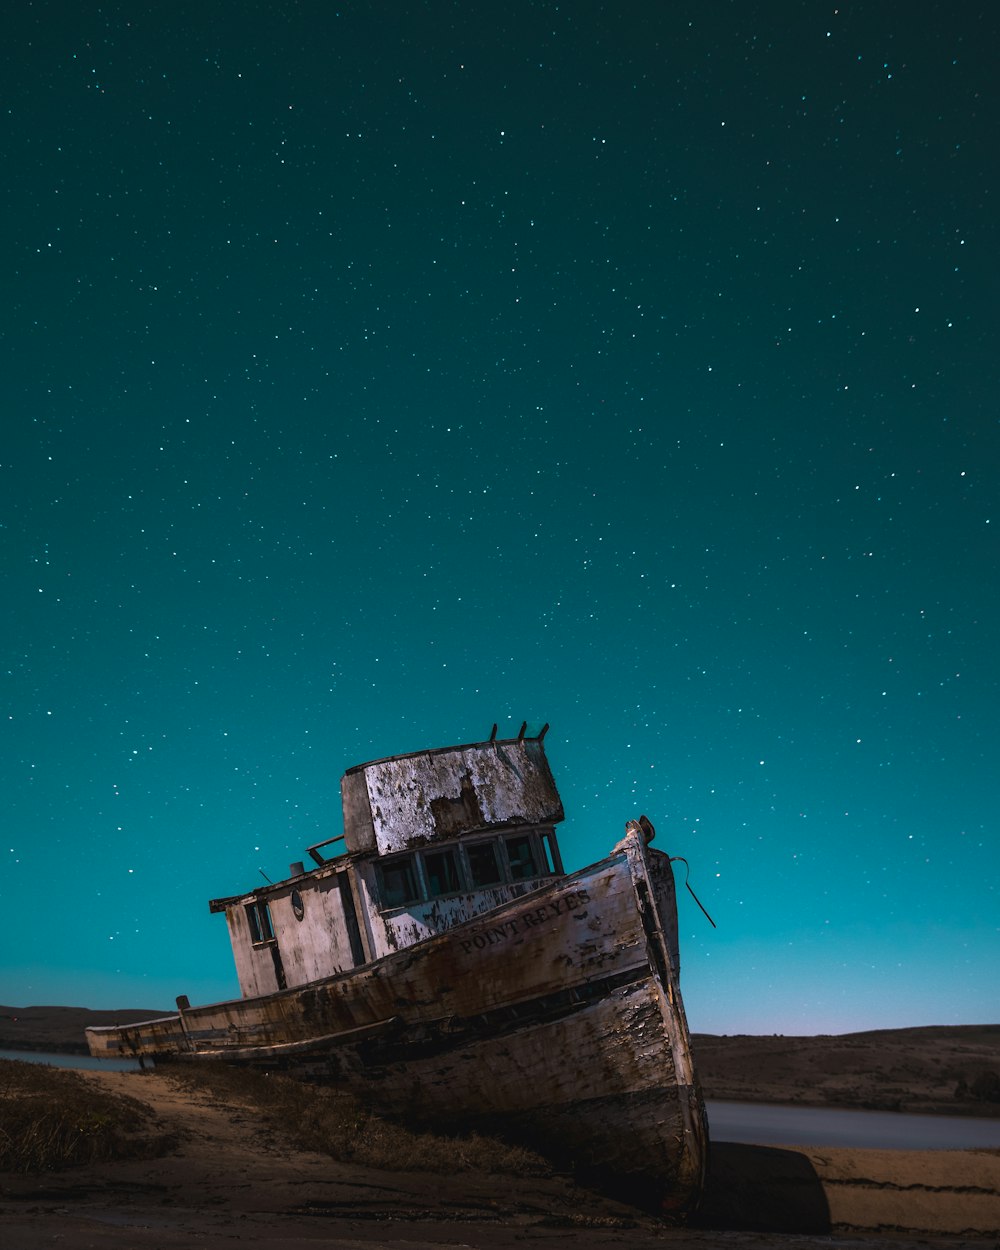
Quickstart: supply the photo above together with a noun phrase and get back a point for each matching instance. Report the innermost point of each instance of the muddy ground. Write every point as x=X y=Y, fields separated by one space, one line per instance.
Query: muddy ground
x=230 y=1181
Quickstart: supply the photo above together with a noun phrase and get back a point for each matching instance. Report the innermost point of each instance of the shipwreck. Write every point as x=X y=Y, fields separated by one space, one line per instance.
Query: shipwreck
x=436 y=958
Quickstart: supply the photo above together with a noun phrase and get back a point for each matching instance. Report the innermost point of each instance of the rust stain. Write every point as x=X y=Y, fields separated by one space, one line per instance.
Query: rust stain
x=411 y=800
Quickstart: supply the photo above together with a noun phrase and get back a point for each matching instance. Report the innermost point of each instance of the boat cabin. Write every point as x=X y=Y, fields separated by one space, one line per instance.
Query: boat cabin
x=431 y=839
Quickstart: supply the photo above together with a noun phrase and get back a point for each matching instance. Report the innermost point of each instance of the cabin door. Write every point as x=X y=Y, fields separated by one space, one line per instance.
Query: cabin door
x=351 y=918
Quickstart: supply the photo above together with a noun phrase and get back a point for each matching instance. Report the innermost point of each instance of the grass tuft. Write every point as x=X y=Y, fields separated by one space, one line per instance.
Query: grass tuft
x=332 y=1122
x=53 y=1118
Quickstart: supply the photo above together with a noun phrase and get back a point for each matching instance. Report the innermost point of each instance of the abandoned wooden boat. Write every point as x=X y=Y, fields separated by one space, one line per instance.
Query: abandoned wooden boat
x=443 y=965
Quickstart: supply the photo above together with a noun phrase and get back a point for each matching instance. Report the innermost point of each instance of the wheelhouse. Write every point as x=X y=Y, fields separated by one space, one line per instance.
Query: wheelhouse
x=431 y=839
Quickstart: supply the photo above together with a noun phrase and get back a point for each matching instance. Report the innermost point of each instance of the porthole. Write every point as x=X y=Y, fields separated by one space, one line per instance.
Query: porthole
x=297 y=905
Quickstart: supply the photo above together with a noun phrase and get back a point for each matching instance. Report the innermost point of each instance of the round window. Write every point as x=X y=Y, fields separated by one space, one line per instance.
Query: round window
x=297 y=906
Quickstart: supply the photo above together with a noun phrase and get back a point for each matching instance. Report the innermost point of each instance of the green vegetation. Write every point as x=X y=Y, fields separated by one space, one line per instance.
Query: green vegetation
x=52 y=1118
x=331 y=1122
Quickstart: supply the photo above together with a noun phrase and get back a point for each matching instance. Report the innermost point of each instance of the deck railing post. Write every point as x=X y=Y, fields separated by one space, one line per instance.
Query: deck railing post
x=184 y=1004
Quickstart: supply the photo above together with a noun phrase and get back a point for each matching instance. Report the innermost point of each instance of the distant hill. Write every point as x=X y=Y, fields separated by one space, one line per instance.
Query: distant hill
x=59 y=1028
x=952 y=1069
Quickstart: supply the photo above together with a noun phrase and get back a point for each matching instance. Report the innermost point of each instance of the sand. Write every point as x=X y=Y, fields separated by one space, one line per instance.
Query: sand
x=229 y=1182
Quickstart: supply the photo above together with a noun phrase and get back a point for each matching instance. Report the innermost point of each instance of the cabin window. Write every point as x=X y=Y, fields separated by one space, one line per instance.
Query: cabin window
x=484 y=868
x=550 y=853
x=298 y=907
x=259 y=922
x=398 y=882
x=521 y=857
x=406 y=879
x=441 y=870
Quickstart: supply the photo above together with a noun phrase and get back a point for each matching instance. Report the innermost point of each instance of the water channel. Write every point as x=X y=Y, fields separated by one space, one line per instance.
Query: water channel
x=767 y=1124
x=57 y=1060
x=762 y=1124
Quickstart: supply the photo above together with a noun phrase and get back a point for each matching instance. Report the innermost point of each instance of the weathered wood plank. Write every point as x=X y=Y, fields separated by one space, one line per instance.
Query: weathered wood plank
x=557 y=1016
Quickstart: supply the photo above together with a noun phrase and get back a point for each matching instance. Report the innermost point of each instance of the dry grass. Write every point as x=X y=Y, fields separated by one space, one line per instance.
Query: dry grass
x=951 y=1070
x=335 y=1123
x=53 y=1118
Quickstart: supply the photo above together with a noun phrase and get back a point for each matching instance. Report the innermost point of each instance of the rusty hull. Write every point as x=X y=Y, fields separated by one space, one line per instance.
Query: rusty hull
x=556 y=1018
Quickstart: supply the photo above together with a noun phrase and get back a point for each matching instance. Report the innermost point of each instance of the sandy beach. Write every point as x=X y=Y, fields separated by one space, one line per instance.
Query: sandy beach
x=230 y=1180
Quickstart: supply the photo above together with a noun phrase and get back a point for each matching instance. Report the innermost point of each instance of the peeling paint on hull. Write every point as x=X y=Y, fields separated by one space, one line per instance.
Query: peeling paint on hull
x=556 y=1018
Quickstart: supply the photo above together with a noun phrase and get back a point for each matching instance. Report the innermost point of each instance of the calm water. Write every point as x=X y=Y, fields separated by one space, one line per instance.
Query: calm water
x=765 y=1125
x=71 y=1061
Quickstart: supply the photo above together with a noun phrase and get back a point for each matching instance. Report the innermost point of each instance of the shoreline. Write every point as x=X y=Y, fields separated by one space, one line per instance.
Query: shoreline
x=230 y=1175
x=970 y=1112
x=82 y=1061
x=929 y=1070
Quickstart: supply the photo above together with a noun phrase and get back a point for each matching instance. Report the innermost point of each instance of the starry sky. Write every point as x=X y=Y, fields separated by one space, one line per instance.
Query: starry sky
x=374 y=373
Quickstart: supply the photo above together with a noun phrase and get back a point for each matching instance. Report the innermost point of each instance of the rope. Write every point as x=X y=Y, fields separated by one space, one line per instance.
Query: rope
x=687 y=872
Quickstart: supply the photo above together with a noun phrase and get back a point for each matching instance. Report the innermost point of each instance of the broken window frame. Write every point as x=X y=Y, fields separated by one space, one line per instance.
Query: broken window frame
x=544 y=850
x=259 y=922
x=550 y=857
x=417 y=891
x=516 y=876
x=450 y=872
x=475 y=844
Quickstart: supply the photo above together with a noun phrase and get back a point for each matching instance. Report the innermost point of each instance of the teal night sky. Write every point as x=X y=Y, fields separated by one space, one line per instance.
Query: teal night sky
x=375 y=373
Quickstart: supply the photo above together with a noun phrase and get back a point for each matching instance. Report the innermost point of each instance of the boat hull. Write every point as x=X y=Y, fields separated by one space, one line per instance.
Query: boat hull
x=556 y=1019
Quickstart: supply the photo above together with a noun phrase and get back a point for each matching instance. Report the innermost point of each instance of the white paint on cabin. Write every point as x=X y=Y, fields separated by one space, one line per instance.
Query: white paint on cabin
x=410 y=800
x=317 y=945
x=297 y=931
x=397 y=928
x=254 y=965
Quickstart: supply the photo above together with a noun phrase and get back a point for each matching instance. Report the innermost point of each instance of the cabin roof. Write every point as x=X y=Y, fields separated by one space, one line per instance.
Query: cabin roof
x=402 y=802
x=408 y=801
x=492 y=740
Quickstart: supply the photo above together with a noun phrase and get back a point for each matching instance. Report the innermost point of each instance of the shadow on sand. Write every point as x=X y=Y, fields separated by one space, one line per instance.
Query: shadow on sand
x=763 y=1188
